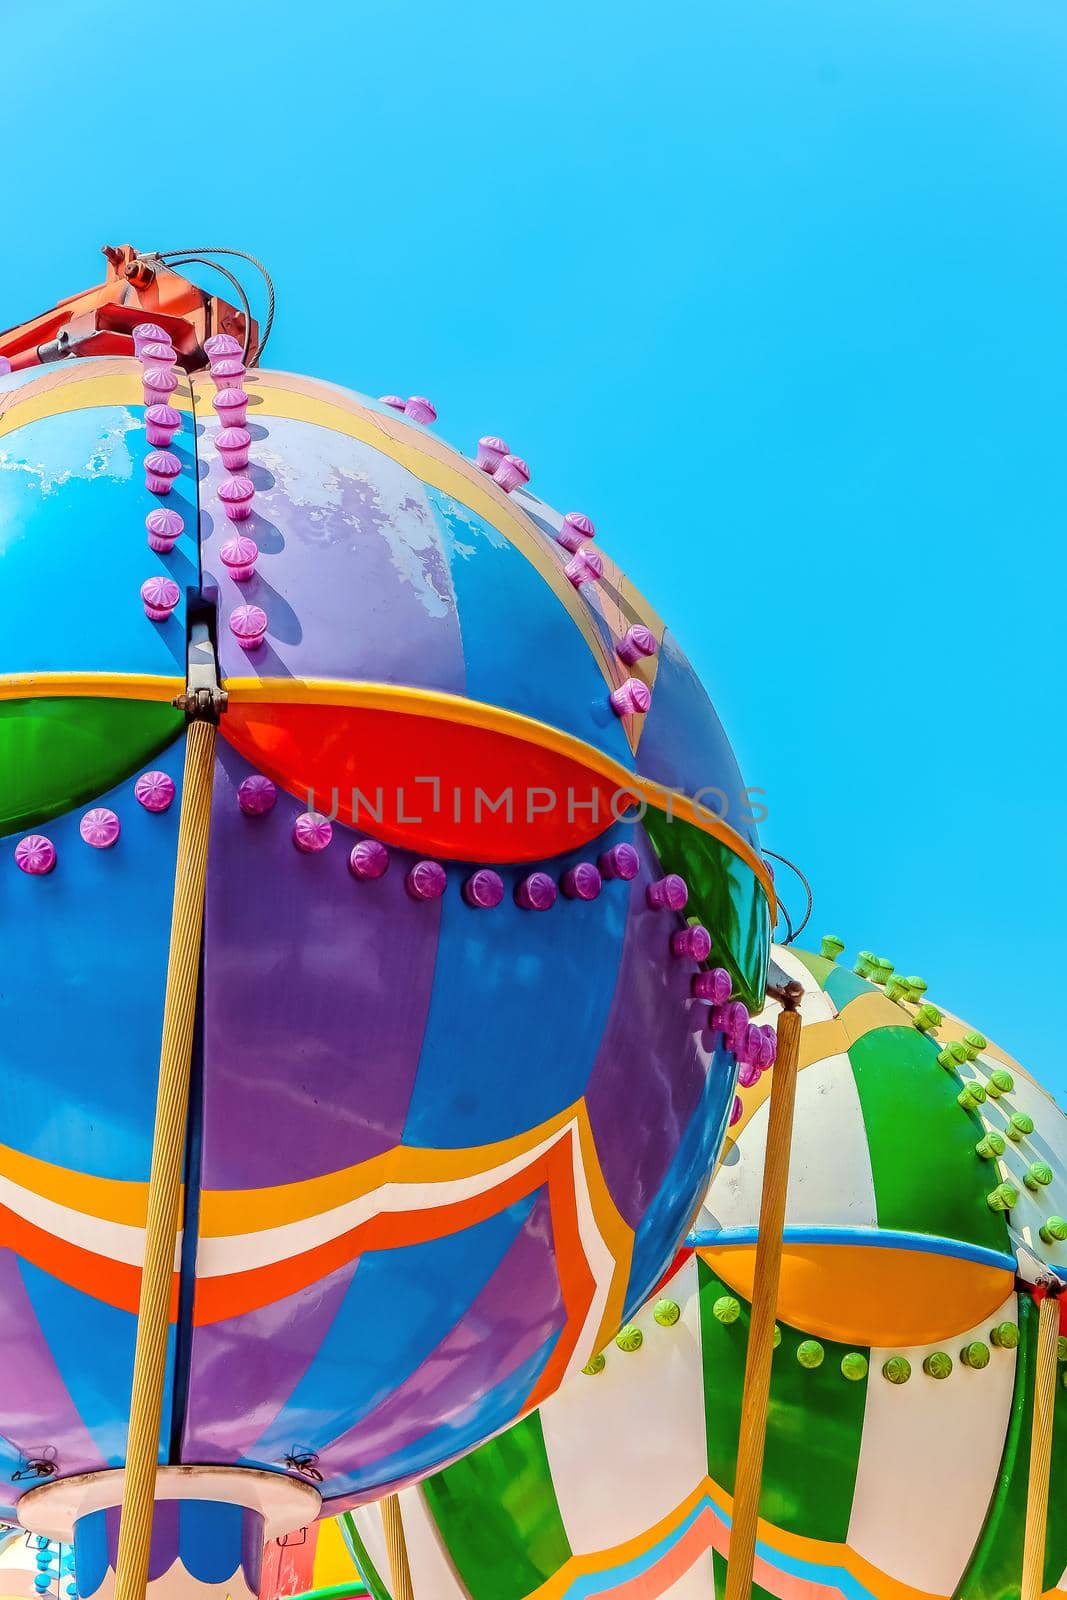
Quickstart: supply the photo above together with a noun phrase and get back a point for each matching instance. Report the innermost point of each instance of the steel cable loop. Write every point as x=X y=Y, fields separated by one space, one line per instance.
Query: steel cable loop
x=203 y=251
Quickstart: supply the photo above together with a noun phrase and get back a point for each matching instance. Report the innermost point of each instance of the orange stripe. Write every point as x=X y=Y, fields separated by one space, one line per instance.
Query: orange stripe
x=576 y=1279
x=113 y=1282
x=233 y=1294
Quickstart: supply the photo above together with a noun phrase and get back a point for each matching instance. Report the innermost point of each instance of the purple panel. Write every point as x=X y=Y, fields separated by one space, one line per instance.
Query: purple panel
x=518 y=1310
x=36 y=1411
x=244 y=1369
x=163 y=1551
x=651 y=1065
x=337 y=523
x=316 y=992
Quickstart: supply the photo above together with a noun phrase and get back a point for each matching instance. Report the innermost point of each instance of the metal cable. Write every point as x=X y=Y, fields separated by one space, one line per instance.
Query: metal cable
x=184 y=261
x=807 y=890
x=219 y=250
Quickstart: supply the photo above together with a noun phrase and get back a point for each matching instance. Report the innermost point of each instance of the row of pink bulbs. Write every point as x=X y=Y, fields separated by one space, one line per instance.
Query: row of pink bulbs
x=99 y=828
x=239 y=553
x=160 y=595
x=158 y=358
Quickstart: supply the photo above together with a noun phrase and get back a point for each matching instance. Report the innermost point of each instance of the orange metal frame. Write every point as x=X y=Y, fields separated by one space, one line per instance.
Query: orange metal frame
x=100 y=321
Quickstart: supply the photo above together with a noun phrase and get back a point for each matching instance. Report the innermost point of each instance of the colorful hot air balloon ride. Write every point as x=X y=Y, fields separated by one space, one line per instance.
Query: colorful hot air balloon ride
x=926 y=1202
x=450 y=776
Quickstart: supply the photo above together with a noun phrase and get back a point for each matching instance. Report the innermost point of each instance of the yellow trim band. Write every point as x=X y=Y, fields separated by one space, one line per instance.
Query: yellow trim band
x=88 y=686
x=83 y=391
x=395 y=697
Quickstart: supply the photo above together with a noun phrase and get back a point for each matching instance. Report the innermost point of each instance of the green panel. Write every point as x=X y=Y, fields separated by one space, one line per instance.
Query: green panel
x=994 y=1571
x=358 y=1550
x=818 y=966
x=59 y=754
x=723 y=1351
x=719 y=1565
x=814 y=1422
x=927 y=1178
x=1056 y=1527
x=727 y=897
x=498 y=1515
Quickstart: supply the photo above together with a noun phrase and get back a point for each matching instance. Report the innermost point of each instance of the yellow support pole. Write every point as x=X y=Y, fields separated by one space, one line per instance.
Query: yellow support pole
x=752 y=1430
x=165 y=1181
x=1048 y=1329
x=397 y=1547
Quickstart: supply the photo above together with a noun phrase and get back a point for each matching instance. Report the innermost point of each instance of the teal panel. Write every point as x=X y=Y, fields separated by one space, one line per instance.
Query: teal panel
x=842 y=985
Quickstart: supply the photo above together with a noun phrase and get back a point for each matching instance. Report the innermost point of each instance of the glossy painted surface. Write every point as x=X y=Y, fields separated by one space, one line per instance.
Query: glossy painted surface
x=199 y=1548
x=472 y=1174
x=621 y=1484
x=91 y=937
x=72 y=508
x=413 y=1200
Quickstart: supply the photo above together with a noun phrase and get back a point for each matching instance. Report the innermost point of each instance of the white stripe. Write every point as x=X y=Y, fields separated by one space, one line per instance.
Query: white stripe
x=115 y=1241
x=118 y=1241
x=432 y=1572
x=627 y=1446
x=696 y=1584
x=929 y=1460
x=242 y=1252
x=816 y=1005
x=831 y=1183
x=368 y=1520
x=601 y=1261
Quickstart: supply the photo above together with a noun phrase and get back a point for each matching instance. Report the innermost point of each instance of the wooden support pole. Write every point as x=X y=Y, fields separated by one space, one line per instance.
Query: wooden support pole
x=165 y=1180
x=397 y=1546
x=752 y=1430
x=1048 y=1329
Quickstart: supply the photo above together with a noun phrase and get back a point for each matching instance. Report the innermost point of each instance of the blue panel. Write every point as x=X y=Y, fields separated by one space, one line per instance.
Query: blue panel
x=489 y=1413
x=664 y=1223
x=522 y=649
x=351 y=573
x=537 y=989
x=92 y=1345
x=79 y=1090
x=72 y=507
x=90 y=1551
x=683 y=745
x=209 y=1539
x=422 y=1291
x=843 y=986
x=589 y=592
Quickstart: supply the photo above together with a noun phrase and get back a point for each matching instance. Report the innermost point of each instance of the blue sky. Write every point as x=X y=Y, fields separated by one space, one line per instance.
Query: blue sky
x=774 y=292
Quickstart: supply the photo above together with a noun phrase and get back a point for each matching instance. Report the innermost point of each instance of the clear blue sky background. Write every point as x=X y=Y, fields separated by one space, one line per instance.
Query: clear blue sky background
x=776 y=292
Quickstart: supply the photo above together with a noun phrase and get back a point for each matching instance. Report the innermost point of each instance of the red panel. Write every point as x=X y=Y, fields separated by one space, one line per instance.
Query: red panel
x=384 y=762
